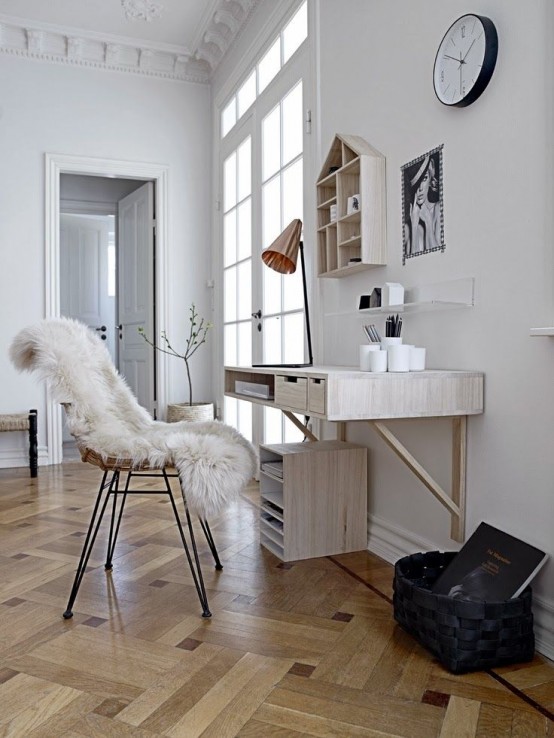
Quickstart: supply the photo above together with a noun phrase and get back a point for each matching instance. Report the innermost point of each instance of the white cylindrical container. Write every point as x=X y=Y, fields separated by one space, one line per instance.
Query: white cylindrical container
x=387 y=341
x=399 y=358
x=378 y=361
x=366 y=349
x=417 y=359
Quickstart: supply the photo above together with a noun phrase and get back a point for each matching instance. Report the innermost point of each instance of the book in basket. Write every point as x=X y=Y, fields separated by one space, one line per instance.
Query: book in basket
x=491 y=565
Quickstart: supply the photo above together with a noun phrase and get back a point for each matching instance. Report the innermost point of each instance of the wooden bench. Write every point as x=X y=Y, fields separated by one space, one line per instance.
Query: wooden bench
x=24 y=422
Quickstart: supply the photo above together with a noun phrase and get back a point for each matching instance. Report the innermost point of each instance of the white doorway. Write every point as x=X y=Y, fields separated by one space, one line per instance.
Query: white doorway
x=127 y=343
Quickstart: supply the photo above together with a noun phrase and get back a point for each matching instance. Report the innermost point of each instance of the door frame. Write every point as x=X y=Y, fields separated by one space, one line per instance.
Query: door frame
x=55 y=166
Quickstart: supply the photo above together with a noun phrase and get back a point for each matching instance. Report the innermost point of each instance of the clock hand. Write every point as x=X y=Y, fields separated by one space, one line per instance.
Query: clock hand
x=447 y=56
x=467 y=52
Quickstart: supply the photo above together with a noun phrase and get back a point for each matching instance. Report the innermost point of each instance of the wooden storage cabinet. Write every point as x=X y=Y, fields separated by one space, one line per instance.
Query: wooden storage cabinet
x=352 y=167
x=313 y=499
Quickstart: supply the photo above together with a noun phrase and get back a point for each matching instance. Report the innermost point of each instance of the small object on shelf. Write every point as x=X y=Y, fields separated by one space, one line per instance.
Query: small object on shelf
x=375 y=298
x=363 y=302
x=399 y=358
x=372 y=333
x=366 y=349
x=417 y=359
x=253 y=389
x=273 y=467
x=393 y=326
x=378 y=361
x=332 y=212
x=355 y=260
x=392 y=293
x=479 y=635
x=353 y=204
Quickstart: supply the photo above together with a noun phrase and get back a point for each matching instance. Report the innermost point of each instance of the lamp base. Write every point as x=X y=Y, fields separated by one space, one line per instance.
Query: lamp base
x=284 y=366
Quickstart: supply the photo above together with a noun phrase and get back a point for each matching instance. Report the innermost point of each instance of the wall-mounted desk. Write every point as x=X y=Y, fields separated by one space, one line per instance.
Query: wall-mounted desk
x=342 y=394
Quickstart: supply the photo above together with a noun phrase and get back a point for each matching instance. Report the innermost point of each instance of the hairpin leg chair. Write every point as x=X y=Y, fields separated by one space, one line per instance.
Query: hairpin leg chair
x=213 y=461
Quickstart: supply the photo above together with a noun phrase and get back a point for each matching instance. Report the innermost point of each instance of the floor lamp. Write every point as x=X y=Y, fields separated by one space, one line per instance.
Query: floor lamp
x=281 y=256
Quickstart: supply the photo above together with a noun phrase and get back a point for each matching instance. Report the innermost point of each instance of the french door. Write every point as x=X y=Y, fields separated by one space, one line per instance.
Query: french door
x=262 y=186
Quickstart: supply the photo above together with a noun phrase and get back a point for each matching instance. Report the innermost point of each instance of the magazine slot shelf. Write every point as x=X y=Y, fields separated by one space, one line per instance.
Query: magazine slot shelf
x=319 y=506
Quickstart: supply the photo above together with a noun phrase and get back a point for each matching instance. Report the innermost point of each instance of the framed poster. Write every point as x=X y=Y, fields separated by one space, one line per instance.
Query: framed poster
x=422 y=205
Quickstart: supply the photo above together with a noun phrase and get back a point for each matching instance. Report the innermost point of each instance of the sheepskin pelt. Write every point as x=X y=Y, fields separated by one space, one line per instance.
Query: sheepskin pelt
x=214 y=461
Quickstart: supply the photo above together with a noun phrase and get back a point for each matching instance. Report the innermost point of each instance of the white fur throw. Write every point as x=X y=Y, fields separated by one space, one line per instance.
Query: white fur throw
x=214 y=461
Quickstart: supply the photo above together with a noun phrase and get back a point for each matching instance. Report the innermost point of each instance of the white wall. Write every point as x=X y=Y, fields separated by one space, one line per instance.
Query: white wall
x=376 y=81
x=49 y=108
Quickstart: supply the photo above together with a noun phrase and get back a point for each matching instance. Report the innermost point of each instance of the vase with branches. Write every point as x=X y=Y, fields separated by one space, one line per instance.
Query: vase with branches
x=197 y=336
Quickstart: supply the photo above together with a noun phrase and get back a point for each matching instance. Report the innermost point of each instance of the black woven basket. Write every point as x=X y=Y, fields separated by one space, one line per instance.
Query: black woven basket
x=463 y=635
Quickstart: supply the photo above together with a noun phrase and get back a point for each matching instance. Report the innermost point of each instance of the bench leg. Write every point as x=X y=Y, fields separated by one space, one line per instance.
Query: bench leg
x=33 y=447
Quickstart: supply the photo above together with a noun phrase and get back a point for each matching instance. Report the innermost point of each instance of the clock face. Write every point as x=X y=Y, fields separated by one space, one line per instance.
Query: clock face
x=465 y=60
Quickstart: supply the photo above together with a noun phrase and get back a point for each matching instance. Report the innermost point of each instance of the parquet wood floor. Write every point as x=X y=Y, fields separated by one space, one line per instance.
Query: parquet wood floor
x=300 y=649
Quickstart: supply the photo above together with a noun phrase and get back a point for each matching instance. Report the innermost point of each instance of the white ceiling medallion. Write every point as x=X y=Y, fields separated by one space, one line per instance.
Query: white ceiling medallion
x=145 y=10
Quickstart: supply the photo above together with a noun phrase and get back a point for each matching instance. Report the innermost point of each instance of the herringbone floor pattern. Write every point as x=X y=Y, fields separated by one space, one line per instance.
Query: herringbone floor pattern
x=301 y=649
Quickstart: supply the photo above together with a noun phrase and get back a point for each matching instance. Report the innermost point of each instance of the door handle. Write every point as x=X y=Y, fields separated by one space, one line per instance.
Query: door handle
x=120 y=329
x=102 y=329
x=258 y=316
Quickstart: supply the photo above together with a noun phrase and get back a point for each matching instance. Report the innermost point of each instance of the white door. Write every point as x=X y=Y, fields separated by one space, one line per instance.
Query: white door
x=87 y=275
x=136 y=292
x=87 y=282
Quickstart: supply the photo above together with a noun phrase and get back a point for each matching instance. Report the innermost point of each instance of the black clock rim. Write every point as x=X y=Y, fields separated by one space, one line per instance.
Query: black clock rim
x=489 y=61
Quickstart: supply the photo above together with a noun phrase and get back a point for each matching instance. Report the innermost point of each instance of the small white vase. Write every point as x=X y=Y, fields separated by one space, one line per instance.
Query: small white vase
x=195 y=412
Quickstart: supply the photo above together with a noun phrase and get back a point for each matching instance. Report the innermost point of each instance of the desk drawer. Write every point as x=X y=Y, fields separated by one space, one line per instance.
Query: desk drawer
x=291 y=392
x=316 y=395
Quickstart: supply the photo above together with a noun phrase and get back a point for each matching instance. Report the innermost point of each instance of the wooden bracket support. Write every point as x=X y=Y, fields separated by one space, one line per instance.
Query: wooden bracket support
x=301 y=427
x=455 y=504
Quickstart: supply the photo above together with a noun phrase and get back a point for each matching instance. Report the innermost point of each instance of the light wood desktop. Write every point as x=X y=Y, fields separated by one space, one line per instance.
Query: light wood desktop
x=343 y=394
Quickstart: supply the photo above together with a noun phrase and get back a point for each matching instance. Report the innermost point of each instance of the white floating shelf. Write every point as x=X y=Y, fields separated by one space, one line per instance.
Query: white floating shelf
x=542 y=331
x=408 y=307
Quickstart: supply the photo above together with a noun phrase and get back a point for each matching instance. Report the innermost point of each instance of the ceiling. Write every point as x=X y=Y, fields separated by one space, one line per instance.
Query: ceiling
x=196 y=31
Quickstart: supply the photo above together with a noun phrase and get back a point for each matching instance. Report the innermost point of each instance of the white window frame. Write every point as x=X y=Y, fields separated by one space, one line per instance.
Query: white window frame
x=300 y=66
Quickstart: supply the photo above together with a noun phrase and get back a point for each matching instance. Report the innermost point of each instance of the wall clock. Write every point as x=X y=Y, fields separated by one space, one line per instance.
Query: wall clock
x=465 y=60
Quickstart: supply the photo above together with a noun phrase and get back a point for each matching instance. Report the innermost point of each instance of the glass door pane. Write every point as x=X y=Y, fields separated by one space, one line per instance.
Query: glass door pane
x=282 y=189
x=237 y=274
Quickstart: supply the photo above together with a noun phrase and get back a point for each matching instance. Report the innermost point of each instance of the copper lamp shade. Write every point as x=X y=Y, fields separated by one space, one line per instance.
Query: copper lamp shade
x=281 y=256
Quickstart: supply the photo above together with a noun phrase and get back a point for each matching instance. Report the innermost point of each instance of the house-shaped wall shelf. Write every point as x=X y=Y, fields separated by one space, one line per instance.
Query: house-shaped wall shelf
x=355 y=239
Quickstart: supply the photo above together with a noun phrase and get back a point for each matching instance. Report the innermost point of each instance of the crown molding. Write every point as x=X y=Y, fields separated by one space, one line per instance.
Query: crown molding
x=222 y=23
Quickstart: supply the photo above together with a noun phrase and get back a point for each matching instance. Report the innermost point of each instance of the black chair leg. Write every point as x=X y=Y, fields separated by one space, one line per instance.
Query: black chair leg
x=108 y=566
x=195 y=569
x=94 y=525
x=33 y=447
x=211 y=543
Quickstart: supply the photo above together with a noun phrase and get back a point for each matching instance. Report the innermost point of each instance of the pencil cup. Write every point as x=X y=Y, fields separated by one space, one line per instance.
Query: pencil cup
x=387 y=342
x=378 y=361
x=366 y=349
x=417 y=359
x=399 y=358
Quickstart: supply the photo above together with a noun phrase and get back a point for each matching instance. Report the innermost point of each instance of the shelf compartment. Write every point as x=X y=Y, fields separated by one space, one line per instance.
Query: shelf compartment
x=276 y=548
x=273 y=512
x=274 y=496
x=271 y=531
